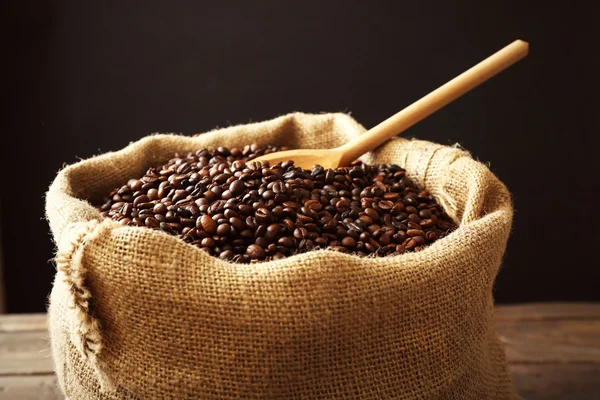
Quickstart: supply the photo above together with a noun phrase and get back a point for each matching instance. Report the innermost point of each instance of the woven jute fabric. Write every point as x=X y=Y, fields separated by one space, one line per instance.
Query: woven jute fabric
x=137 y=314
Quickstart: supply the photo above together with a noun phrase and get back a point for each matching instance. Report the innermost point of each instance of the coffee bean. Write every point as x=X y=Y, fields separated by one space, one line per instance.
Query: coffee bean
x=140 y=199
x=159 y=208
x=372 y=213
x=236 y=187
x=166 y=227
x=208 y=242
x=425 y=213
x=349 y=242
x=415 y=232
x=255 y=252
x=226 y=255
x=152 y=222
x=385 y=205
x=272 y=232
x=431 y=236
x=286 y=241
x=237 y=223
x=300 y=233
x=426 y=223
x=152 y=194
x=262 y=215
x=223 y=229
x=127 y=209
x=135 y=184
x=207 y=223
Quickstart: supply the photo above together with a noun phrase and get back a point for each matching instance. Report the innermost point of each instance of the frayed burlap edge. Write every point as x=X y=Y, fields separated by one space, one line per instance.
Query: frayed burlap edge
x=85 y=333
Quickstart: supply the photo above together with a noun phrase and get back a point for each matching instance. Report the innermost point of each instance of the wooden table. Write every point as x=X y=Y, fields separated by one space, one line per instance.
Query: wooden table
x=553 y=350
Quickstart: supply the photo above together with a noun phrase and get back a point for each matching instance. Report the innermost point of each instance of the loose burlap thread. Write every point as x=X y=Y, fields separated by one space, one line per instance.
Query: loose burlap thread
x=138 y=314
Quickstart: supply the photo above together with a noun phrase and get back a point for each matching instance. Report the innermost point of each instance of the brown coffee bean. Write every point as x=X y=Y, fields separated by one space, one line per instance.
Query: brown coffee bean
x=255 y=252
x=300 y=233
x=159 y=208
x=151 y=222
x=272 y=232
x=289 y=224
x=127 y=209
x=152 y=194
x=349 y=242
x=226 y=255
x=412 y=243
x=415 y=232
x=425 y=214
x=237 y=223
x=372 y=213
x=207 y=223
x=208 y=242
x=262 y=215
x=286 y=241
x=135 y=184
x=223 y=229
x=166 y=227
x=236 y=187
x=140 y=199
x=426 y=223
x=413 y=225
x=314 y=205
x=397 y=209
x=431 y=236
x=385 y=205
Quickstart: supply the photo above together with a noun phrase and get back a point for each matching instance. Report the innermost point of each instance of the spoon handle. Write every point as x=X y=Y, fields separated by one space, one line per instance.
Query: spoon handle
x=435 y=100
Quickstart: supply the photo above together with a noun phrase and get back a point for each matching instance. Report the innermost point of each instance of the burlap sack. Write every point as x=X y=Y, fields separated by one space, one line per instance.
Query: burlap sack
x=138 y=314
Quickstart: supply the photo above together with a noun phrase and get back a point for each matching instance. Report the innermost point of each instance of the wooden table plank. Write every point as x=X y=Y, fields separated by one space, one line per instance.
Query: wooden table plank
x=557 y=341
x=22 y=322
x=553 y=351
x=547 y=311
x=25 y=353
x=557 y=381
x=43 y=387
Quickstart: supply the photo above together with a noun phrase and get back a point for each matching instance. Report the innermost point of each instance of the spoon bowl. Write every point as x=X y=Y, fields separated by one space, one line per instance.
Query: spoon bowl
x=306 y=158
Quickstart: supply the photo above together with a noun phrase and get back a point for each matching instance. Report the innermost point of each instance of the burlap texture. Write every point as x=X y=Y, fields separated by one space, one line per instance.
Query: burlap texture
x=138 y=314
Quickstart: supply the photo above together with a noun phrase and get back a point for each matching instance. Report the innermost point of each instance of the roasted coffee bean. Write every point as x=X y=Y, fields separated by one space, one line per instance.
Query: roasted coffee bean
x=135 y=184
x=139 y=200
x=236 y=188
x=207 y=242
x=255 y=252
x=152 y=194
x=349 y=242
x=372 y=213
x=426 y=223
x=286 y=241
x=207 y=223
x=415 y=232
x=127 y=209
x=223 y=229
x=159 y=208
x=152 y=222
x=239 y=210
x=301 y=233
x=272 y=232
x=237 y=223
x=262 y=215
x=226 y=255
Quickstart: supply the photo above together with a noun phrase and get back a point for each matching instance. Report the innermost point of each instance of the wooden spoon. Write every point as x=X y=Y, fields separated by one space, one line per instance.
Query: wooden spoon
x=344 y=155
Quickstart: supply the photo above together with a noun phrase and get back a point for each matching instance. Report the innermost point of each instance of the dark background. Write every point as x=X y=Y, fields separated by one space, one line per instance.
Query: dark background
x=88 y=77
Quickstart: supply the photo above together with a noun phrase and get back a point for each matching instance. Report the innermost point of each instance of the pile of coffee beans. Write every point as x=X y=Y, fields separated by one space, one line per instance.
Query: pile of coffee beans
x=240 y=210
